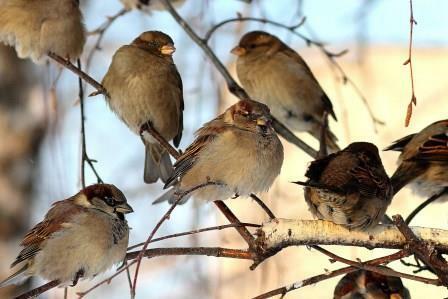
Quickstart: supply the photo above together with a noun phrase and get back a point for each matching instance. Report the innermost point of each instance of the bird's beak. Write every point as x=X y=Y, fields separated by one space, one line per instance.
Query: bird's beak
x=262 y=122
x=167 y=49
x=124 y=208
x=238 y=51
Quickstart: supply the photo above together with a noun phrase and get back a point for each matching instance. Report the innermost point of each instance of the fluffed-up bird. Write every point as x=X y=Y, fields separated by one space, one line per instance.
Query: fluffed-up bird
x=79 y=238
x=423 y=160
x=349 y=187
x=276 y=75
x=144 y=87
x=238 y=151
x=363 y=284
x=37 y=27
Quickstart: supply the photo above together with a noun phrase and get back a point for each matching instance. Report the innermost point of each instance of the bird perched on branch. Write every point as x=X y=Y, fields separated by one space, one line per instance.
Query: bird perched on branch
x=276 y=75
x=349 y=187
x=79 y=237
x=423 y=161
x=363 y=284
x=38 y=27
x=145 y=89
x=238 y=151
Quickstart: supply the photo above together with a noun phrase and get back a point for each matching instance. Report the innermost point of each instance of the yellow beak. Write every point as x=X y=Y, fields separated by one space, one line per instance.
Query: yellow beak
x=262 y=122
x=238 y=51
x=167 y=49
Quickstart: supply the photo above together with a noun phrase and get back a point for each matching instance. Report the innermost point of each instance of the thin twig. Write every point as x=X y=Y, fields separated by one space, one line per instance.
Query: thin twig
x=425 y=204
x=84 y=156
x=68 y=65
x=409 y=62
x=205 y=251
x=263 y=206
x=196 y=231
x=166 y=216
x=39 y=290
x=318 y=278
x=100 y=31
x=233 y=87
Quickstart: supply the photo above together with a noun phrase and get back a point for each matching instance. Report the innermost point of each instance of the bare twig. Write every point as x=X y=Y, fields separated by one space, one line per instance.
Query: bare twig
x=147 y=127
x=39 y=290
x=233 y=87
x=166 y=216
x=424 y=251
x=68 y=65
x=100 y=31
x=84 y=157
x=206 y=251
x=409 y=62
x=325 y=276
x=263 y=206
x=196 y=231
x=425 y=204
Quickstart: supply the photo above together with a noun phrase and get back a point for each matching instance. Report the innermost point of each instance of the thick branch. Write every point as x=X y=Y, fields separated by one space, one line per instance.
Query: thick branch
x=280 y=233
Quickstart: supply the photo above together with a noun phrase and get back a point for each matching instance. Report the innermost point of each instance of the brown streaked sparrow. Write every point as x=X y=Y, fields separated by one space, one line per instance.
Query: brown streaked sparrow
x=363 y=284
x=423 y=160
x=276 y=75
x=144 y=87
x=239 y=150
x=38 y=27
x=349 y=187
x=79 y=237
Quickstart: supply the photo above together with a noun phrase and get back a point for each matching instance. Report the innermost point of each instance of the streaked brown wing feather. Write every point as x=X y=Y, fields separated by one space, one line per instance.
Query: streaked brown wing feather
x=434 y=149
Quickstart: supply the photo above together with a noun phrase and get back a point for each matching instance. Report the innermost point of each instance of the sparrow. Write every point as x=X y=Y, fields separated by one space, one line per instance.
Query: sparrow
x=363 y=284
x=145 y=88
x=423 y=160
x=276 y=75
x=148 y=5
x=238 y=151
x=37 y=27
x=79 y=237
x=349 y=187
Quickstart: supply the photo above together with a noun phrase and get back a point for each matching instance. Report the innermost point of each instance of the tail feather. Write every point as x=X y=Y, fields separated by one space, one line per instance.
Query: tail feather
x=15 y=278
x=330 y=138
x=157 y=164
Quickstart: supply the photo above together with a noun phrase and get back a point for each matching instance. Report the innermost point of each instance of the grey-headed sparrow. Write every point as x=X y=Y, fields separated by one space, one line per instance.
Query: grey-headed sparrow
x=37 y=27
x=349 y=187
x=363 y=284
x=149 y=5
x=79 y=237
x=144 y=87
x=274 y=74
x=238 y=150
x=423 y=161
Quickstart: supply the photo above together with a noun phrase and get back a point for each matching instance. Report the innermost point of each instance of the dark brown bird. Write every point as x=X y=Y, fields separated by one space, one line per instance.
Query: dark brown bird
x=423 y=161
x=363 y=284
x=276 y=75
x=144 y=87
x=349 y=187
x=79 y=237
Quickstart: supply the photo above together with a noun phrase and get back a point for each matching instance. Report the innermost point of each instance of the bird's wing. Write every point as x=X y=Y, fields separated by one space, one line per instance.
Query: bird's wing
x=58 y=216
x=178 y=137
x=399 y=144
x=434 y=149
x=205 y=136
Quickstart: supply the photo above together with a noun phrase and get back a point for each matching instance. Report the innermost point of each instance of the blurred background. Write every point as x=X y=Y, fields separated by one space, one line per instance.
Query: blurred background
x=40 y=135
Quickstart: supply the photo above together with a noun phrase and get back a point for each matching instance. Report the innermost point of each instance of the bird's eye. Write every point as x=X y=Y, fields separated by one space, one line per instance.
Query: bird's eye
x=252 y=46
x=110 y=201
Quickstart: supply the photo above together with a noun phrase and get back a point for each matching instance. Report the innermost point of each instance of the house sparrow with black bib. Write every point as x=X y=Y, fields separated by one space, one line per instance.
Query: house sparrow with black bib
x=276 y=75
x=37 y=27
x=423 y=160
x=79 y=237
x=363 y=284
x=349 y=187
x=238 y=150
x=145 y=88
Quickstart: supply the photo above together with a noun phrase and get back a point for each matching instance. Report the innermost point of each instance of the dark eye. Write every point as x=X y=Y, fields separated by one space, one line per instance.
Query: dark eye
x=252 y=46
x=110 y=201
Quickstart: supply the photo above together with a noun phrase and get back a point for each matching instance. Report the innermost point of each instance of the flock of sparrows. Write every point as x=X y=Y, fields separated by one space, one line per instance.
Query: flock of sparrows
x=238 y=151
